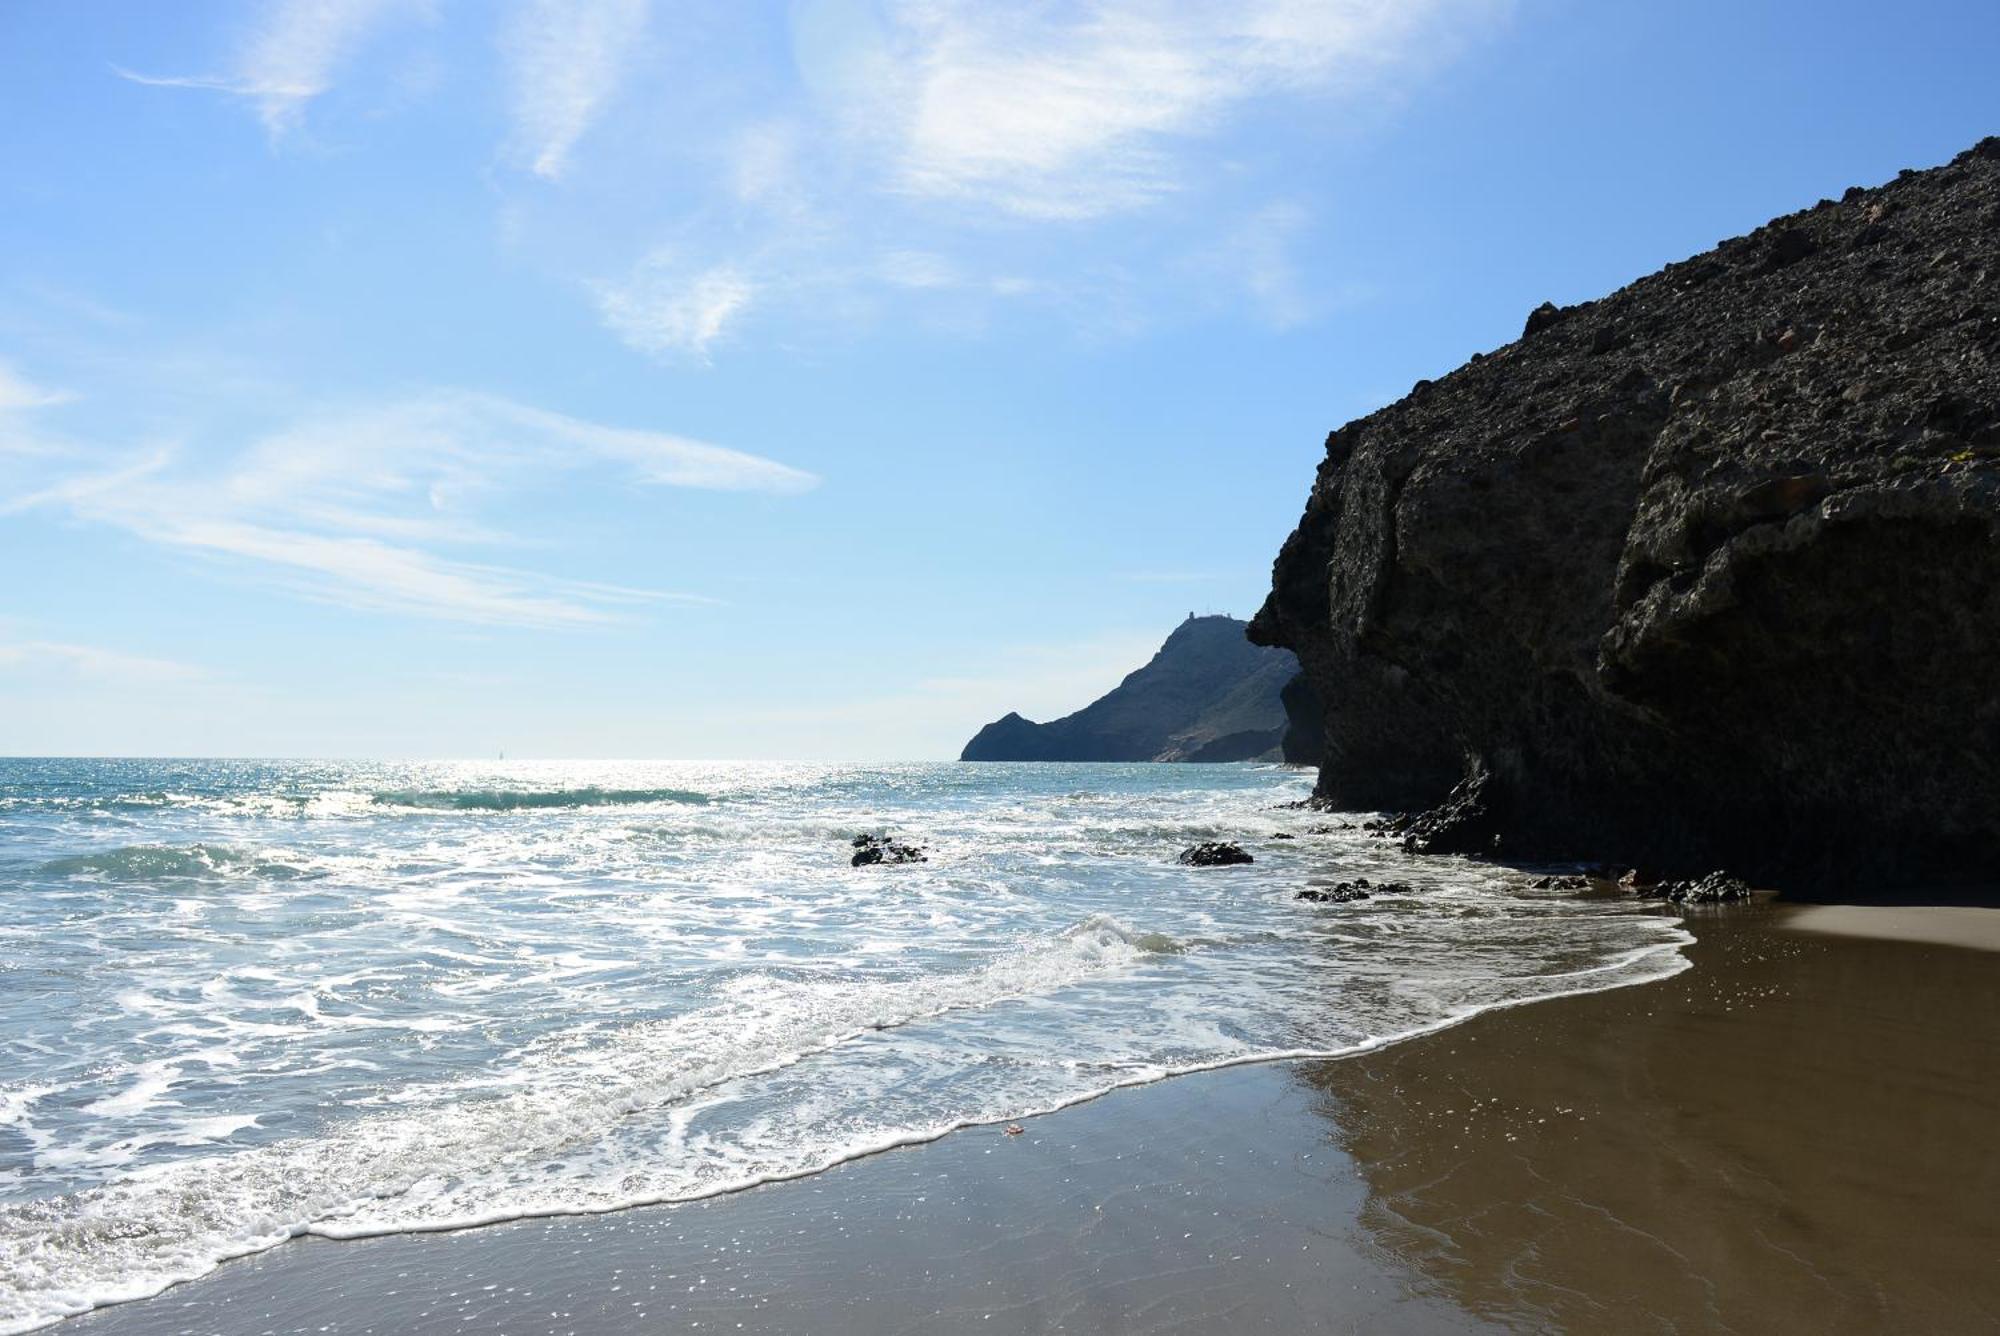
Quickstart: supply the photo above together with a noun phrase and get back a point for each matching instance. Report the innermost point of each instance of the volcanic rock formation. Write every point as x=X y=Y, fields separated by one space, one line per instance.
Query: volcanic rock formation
x=1705 y=573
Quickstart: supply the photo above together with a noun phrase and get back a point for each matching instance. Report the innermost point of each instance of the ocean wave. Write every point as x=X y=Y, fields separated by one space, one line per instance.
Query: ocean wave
x=162 y=802
x=667 y=985
x=158 y=862
x=100 y=802
x=453 y=1164
x=337 y=802
x=457 y=1162
x=511 y=800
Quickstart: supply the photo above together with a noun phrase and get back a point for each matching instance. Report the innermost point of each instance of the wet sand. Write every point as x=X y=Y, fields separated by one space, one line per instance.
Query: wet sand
x=1801 y=1134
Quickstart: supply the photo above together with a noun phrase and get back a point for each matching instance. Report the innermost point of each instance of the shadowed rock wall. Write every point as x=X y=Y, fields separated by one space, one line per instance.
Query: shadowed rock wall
x=1702 y=573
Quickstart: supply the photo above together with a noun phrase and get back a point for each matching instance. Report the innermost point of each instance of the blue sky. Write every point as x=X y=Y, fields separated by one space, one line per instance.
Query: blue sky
x=641 y=378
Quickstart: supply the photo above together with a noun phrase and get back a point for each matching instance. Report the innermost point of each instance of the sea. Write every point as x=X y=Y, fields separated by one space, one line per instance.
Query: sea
x=245 y=1001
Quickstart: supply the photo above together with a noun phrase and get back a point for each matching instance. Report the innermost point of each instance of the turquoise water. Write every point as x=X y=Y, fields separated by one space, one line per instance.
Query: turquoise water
x=243 y=1001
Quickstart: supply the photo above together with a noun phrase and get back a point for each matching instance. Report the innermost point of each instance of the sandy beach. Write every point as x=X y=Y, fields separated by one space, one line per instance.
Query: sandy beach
x=1794 y=1135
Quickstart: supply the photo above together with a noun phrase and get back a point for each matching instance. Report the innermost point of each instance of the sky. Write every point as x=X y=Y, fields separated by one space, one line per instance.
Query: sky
x=643 y=378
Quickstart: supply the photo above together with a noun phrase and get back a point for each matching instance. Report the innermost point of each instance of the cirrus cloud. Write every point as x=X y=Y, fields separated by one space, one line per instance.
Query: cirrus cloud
x=290 y=57
x=566 y=59
x=375 y=508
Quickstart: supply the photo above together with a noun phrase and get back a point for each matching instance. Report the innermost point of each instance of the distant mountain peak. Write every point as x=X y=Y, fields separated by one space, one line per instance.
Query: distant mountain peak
x=1207 y=694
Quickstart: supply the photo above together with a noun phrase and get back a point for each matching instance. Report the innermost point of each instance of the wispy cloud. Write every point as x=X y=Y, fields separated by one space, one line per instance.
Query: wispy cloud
x=917 y=269
x=566 y=59
x=290 y=58
x=945 y=156
x=91 y=662
x=763 y=165
x=668 y=309
x=1070 y=112
x=371 y=508
x=18 y=392
x=1256 y=256
x=20 y=398
x=956 y=157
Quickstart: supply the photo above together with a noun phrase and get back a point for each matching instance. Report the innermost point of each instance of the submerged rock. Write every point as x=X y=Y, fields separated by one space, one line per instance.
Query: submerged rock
x=1705 y=573
x=1215 y=854
x=1334 y=895
x=1341 y=893
x=872 y=849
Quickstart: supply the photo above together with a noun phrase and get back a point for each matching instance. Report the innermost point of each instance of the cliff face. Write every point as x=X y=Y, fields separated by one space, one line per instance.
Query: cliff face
x=1704 y=573
x=1208 y=695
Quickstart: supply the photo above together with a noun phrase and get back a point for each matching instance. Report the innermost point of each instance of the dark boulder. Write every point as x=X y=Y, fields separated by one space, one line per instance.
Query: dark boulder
x=870 y=850
x=1714 y=889
x=1546 y=316
x=1342 y=892
x=1338 y=894
x=1214 y=854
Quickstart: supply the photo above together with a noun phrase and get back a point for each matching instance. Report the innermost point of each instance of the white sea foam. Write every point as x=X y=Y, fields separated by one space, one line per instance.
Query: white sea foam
x=353 y=1016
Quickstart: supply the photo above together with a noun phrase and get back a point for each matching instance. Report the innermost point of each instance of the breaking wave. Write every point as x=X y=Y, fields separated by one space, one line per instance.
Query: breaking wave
x=514 y=800
x=155 y=862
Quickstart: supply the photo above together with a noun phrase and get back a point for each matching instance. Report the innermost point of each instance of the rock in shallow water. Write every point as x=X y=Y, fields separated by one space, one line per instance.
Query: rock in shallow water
x=1341 y=893
x=872 y=849
x=1215 y=854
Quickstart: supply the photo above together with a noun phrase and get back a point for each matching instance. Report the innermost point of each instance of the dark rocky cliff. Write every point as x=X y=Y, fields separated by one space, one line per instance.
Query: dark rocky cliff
x=1208 y=695
x=1704 y=573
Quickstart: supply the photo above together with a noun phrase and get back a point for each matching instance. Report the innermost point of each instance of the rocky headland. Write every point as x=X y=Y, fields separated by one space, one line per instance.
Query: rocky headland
x=1207 y=695
x=1705 y=573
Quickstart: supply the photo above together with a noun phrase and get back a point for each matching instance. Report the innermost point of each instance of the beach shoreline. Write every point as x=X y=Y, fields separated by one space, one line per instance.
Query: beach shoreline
x=1789 y=1136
